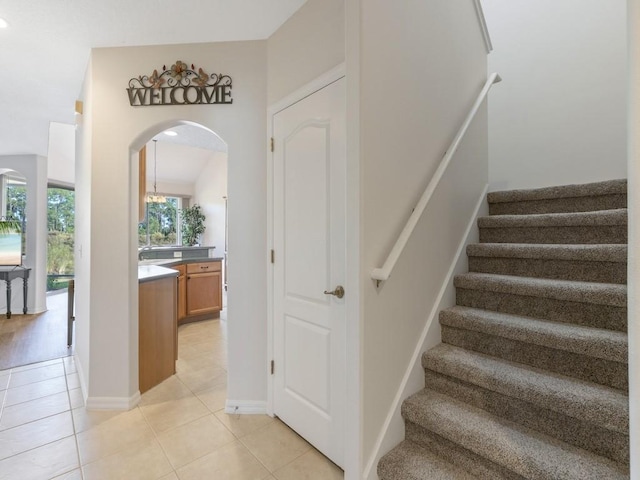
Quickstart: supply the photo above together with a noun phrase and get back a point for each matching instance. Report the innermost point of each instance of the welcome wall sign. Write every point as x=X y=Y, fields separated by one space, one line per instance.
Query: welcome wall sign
x=180 y=85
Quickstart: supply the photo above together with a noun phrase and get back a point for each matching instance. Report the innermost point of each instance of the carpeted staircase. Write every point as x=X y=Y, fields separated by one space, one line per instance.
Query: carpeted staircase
x=530 y=380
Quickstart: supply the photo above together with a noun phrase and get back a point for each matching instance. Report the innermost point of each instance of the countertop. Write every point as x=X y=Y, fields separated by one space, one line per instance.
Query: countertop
x=157 y=268
x=170 y=262
x=147 y=273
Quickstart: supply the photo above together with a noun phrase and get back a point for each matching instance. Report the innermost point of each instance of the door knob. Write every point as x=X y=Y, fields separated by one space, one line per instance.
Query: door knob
x=338 y=292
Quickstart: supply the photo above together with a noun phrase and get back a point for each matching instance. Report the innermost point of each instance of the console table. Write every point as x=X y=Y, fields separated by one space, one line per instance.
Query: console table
x=8 y=274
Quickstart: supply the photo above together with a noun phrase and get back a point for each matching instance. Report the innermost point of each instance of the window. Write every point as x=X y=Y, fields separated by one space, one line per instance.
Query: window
x=15 y=201
x=61 y=227
x=161 y=225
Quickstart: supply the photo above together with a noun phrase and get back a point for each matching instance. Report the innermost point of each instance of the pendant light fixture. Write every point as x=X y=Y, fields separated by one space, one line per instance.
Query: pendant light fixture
x=155 y=198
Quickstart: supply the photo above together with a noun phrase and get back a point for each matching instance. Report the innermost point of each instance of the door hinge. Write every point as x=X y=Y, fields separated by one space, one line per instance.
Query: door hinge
x=273 y=367
x=273 y=256
x=272 y=145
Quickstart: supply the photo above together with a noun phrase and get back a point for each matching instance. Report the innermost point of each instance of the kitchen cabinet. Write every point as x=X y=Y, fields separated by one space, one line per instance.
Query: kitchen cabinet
x=157 y=330
x=182 y=291
x=199 y=289
x=204 y=288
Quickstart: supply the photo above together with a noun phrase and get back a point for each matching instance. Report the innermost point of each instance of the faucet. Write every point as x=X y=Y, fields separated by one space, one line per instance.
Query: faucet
x=142 y=250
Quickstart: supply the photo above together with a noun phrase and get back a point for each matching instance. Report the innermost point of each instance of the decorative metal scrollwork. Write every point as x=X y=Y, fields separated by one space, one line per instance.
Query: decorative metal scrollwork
x=180 y=85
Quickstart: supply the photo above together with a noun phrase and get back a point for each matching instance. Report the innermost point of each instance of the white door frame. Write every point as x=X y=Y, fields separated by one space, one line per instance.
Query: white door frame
x=353 y=400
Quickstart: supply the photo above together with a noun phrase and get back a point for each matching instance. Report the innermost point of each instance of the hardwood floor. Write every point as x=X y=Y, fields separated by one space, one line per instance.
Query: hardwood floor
x=26 y=339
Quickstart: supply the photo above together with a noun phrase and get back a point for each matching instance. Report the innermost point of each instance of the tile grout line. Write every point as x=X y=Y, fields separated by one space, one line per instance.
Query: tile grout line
x=3 y=407
x=39 y=446
x=36 y=420
x=155 y=436
x=32 y=399
x=73 y=422
x=272 y=473
x=4 y=396
x=37 y=381
x=195 y=395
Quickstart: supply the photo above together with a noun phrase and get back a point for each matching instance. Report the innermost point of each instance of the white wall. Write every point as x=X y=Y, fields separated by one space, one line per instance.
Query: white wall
x=307 y=45
x=34 y=169
x=559 y=116
x=634 y=234
x=422 y=65
x=82 y=239
x=354 y=311
x=209 y=190
x=177 y=189
x=61 y=154
x=117 y=130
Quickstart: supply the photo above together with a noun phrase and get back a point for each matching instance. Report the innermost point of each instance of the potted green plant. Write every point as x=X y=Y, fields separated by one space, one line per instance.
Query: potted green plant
x=192 y=224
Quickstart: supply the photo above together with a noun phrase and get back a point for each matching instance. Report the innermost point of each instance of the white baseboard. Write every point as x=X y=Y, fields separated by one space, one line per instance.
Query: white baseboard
x=392 y=432
x=246 y=407
x=81 y=377
x=103 y=403
x=113 y=403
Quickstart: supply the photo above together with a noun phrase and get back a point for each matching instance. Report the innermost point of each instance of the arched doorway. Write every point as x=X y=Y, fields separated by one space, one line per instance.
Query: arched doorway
x=181 y=168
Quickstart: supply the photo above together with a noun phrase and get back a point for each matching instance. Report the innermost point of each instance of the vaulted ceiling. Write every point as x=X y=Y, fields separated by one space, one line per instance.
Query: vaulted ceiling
x=45 y=49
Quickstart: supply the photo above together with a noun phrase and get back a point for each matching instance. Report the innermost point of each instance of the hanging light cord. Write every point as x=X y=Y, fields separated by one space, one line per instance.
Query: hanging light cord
x=155 y=167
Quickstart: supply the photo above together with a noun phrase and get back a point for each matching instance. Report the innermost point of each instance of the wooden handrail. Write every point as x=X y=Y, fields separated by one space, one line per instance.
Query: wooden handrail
x=383 y=273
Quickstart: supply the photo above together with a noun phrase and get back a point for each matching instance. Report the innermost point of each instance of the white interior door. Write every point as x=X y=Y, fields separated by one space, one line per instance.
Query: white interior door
x=309 y=243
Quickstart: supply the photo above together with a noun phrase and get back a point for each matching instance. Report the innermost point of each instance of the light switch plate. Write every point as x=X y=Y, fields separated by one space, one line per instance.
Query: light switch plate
x=177 y=254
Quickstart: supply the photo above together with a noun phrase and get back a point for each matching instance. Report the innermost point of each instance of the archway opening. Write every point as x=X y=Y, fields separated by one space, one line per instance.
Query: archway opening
x=181 y=167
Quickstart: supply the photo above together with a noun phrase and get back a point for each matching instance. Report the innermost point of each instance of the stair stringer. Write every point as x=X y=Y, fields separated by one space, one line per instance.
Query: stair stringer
x=393 y=429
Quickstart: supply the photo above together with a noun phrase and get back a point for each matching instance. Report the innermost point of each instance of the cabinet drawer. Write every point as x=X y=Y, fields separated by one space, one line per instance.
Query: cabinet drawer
x=203 y=267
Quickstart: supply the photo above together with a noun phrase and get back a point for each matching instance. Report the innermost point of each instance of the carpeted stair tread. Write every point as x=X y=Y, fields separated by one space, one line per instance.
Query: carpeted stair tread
x=599 y=405
x=609 y=187
x=571 y=430
x=594 y=342
x=602 y=263
x=545 y=220
x=565 y=290
x=531 y=380
x=527 y=453
x=614 y=253
x=409 y=461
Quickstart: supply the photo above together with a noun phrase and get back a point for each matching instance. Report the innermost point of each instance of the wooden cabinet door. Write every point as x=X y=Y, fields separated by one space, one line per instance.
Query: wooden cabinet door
x=203 y=292
x=182 y=291
x=217 y=288
x=157 y=337
x=182 y=297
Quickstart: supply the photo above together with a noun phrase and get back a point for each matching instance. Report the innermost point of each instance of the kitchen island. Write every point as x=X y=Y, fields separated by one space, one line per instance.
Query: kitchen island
x=199 y=285
x=157 y=325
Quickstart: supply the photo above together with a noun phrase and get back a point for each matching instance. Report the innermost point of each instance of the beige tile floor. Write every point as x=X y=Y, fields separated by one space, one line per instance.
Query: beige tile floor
x=178 y=432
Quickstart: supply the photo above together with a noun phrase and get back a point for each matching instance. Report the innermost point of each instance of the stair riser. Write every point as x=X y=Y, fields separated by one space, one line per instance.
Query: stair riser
x=588 y=314
x=501 y=406
x=560 y=205
x=479 y=466
x=582 y=271
x=606 y=234
x=409 y=461
x=583 y=367
x=581 y=434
